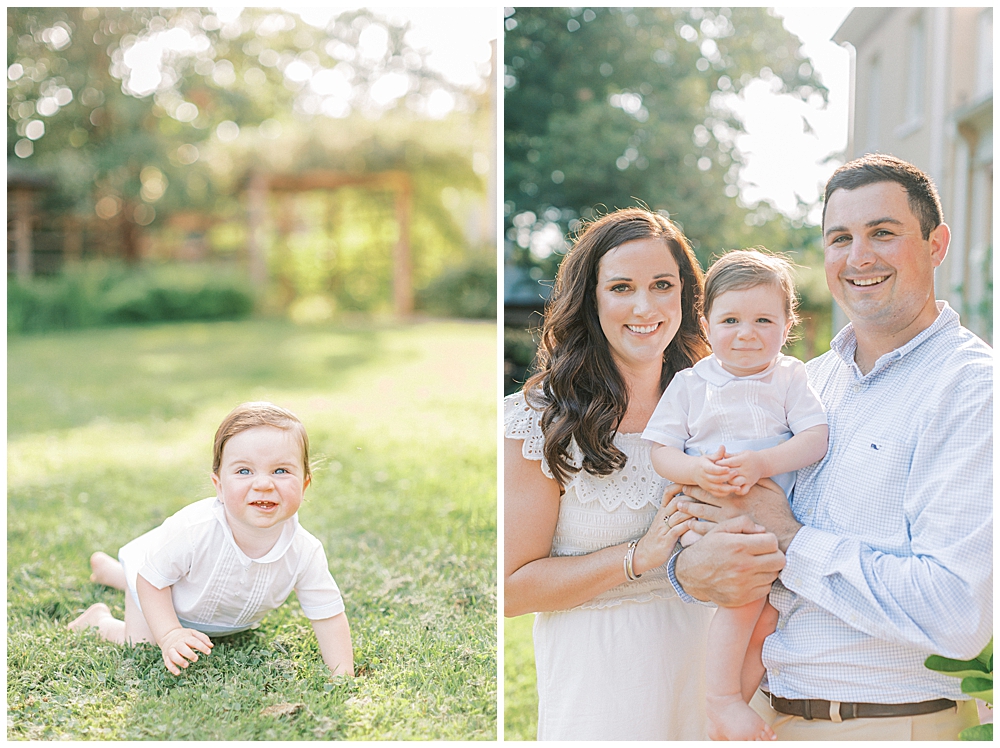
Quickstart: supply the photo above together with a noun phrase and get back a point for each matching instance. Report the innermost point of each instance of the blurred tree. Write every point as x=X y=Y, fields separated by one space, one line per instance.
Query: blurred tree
x=139 y=112
x=608 y=107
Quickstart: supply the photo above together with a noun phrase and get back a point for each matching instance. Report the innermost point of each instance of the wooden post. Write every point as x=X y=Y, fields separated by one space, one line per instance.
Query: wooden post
x=256 y=211
x=23 y=204
x=402 y=273
x=72 y=239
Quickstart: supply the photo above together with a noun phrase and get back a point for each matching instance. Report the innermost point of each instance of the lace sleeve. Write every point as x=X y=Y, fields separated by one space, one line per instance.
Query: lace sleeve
x=521 y=421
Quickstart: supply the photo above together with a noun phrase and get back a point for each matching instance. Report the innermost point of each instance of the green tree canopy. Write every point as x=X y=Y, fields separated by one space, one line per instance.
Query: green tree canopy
x=157 y=131
x=140 y=113
x=608 y=107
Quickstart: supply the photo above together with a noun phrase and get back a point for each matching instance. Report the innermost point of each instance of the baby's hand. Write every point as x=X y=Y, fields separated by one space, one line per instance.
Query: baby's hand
x=178 y=645
x=713 y=475
x=749 y=467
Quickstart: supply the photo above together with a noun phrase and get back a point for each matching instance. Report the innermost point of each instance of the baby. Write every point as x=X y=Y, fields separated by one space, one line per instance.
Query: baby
x=219 y=565
x=744 y=413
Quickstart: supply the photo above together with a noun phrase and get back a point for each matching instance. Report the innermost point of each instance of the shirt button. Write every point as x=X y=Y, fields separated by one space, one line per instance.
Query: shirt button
x=857 y=388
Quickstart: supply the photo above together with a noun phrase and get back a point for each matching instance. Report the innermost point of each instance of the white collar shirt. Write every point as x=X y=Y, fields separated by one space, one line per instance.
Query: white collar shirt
x=895 y=559
x=216 y=587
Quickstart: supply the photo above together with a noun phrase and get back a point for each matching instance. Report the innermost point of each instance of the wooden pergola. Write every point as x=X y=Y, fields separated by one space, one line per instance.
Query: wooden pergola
x=21 y=191
x=261 y=184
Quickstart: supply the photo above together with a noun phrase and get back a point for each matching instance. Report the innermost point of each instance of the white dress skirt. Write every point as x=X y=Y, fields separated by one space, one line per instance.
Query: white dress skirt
x=630 y=663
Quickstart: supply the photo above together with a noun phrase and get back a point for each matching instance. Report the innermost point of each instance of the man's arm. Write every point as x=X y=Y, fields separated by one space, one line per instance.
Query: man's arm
x=938 y=597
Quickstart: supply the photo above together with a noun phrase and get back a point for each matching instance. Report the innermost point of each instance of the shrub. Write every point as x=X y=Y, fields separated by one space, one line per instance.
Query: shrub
x=99 y=294
x=468 y=291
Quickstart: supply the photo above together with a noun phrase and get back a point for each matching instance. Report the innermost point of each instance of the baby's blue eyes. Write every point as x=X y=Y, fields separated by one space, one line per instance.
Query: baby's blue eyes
x=281 y=470
x=243 y=471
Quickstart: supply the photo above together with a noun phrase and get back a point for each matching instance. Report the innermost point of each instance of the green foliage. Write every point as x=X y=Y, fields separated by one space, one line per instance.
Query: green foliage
x=977 y=682
x=607 y=107
x=468 y=291
x=98 y=294
x=109 y=432
x=520 y=713
x=157 y=154
x=519 y=348
x=977 y=732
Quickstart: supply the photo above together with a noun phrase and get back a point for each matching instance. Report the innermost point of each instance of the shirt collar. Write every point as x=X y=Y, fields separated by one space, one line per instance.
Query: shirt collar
x=712 y=372
x=845 y=344
x=279 y=549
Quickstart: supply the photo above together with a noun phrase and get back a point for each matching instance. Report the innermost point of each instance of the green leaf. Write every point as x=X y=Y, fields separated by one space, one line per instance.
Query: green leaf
x=977 y=732
x=955 y=668
x=980 y=688
x=986 y=656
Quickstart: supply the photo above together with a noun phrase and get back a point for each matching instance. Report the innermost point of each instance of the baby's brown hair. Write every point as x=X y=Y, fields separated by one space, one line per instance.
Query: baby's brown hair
x=251 y=415
x=741 y=269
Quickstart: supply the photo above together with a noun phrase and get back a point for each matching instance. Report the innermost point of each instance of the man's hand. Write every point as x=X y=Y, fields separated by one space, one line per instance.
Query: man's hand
x=178 y=645
x=765 y=504
x=732 y=565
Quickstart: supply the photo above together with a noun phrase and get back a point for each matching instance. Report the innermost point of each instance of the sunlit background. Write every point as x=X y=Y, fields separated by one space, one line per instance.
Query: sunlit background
x=316 y=161
x=731 y=120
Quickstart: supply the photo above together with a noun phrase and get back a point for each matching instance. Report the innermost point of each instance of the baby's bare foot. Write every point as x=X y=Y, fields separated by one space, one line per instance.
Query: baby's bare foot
x=107 y=571
x=90 y=618
x=730 y=718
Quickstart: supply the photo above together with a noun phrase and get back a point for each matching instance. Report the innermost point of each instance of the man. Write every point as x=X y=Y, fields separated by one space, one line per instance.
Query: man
x=887 y=543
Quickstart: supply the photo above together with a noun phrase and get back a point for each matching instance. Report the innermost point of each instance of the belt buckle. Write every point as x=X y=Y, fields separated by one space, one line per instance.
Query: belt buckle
x=835 y=712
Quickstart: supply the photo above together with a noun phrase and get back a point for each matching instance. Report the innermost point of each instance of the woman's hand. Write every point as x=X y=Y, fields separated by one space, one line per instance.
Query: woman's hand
x=177 y=647
x=657 y=545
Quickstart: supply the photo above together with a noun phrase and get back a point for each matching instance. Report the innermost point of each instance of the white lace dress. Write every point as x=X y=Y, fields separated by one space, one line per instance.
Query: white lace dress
x=629 y=663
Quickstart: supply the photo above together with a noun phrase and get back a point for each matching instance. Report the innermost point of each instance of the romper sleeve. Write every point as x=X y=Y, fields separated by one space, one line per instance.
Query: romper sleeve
x=669 y=423
x=318 y=593
x=169 y=553
x=803 y=407
x=522 y=422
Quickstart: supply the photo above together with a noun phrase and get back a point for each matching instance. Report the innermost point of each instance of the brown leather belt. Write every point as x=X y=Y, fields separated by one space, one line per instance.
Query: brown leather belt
x=837 y=711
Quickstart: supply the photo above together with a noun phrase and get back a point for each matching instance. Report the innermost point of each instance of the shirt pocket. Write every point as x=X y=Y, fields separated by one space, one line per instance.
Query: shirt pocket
x=867 y=500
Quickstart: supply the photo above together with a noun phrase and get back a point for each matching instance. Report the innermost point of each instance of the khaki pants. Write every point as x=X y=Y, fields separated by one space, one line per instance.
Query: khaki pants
x=943 y=725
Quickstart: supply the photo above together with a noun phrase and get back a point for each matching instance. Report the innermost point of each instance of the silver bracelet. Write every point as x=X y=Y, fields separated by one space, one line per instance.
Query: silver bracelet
x=629 y=553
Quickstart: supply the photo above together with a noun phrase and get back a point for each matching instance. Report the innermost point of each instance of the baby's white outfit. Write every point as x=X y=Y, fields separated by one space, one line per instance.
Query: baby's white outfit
x=706 y=406
x=218 y=589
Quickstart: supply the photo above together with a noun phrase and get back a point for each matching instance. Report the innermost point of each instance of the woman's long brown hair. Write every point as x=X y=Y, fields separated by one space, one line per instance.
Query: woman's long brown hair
x=578 y=387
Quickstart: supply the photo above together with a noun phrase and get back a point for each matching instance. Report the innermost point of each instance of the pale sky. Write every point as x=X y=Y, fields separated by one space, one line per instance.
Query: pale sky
x=457 y=41
x=783 y=158
x=784 y=154
x=458 y=37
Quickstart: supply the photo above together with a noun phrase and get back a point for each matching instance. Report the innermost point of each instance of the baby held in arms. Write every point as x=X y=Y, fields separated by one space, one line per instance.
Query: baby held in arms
x=219 y=565
x=744 y=413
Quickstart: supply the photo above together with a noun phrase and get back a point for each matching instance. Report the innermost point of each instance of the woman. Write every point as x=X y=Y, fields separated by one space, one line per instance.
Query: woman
x=618 y=655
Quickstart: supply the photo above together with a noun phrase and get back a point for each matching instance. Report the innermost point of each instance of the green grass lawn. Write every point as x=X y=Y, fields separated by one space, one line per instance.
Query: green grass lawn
x=520 y=699
x=110 y=432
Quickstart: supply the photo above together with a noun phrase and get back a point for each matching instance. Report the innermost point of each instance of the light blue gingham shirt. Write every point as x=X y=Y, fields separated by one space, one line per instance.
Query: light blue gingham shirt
x=895 y=559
